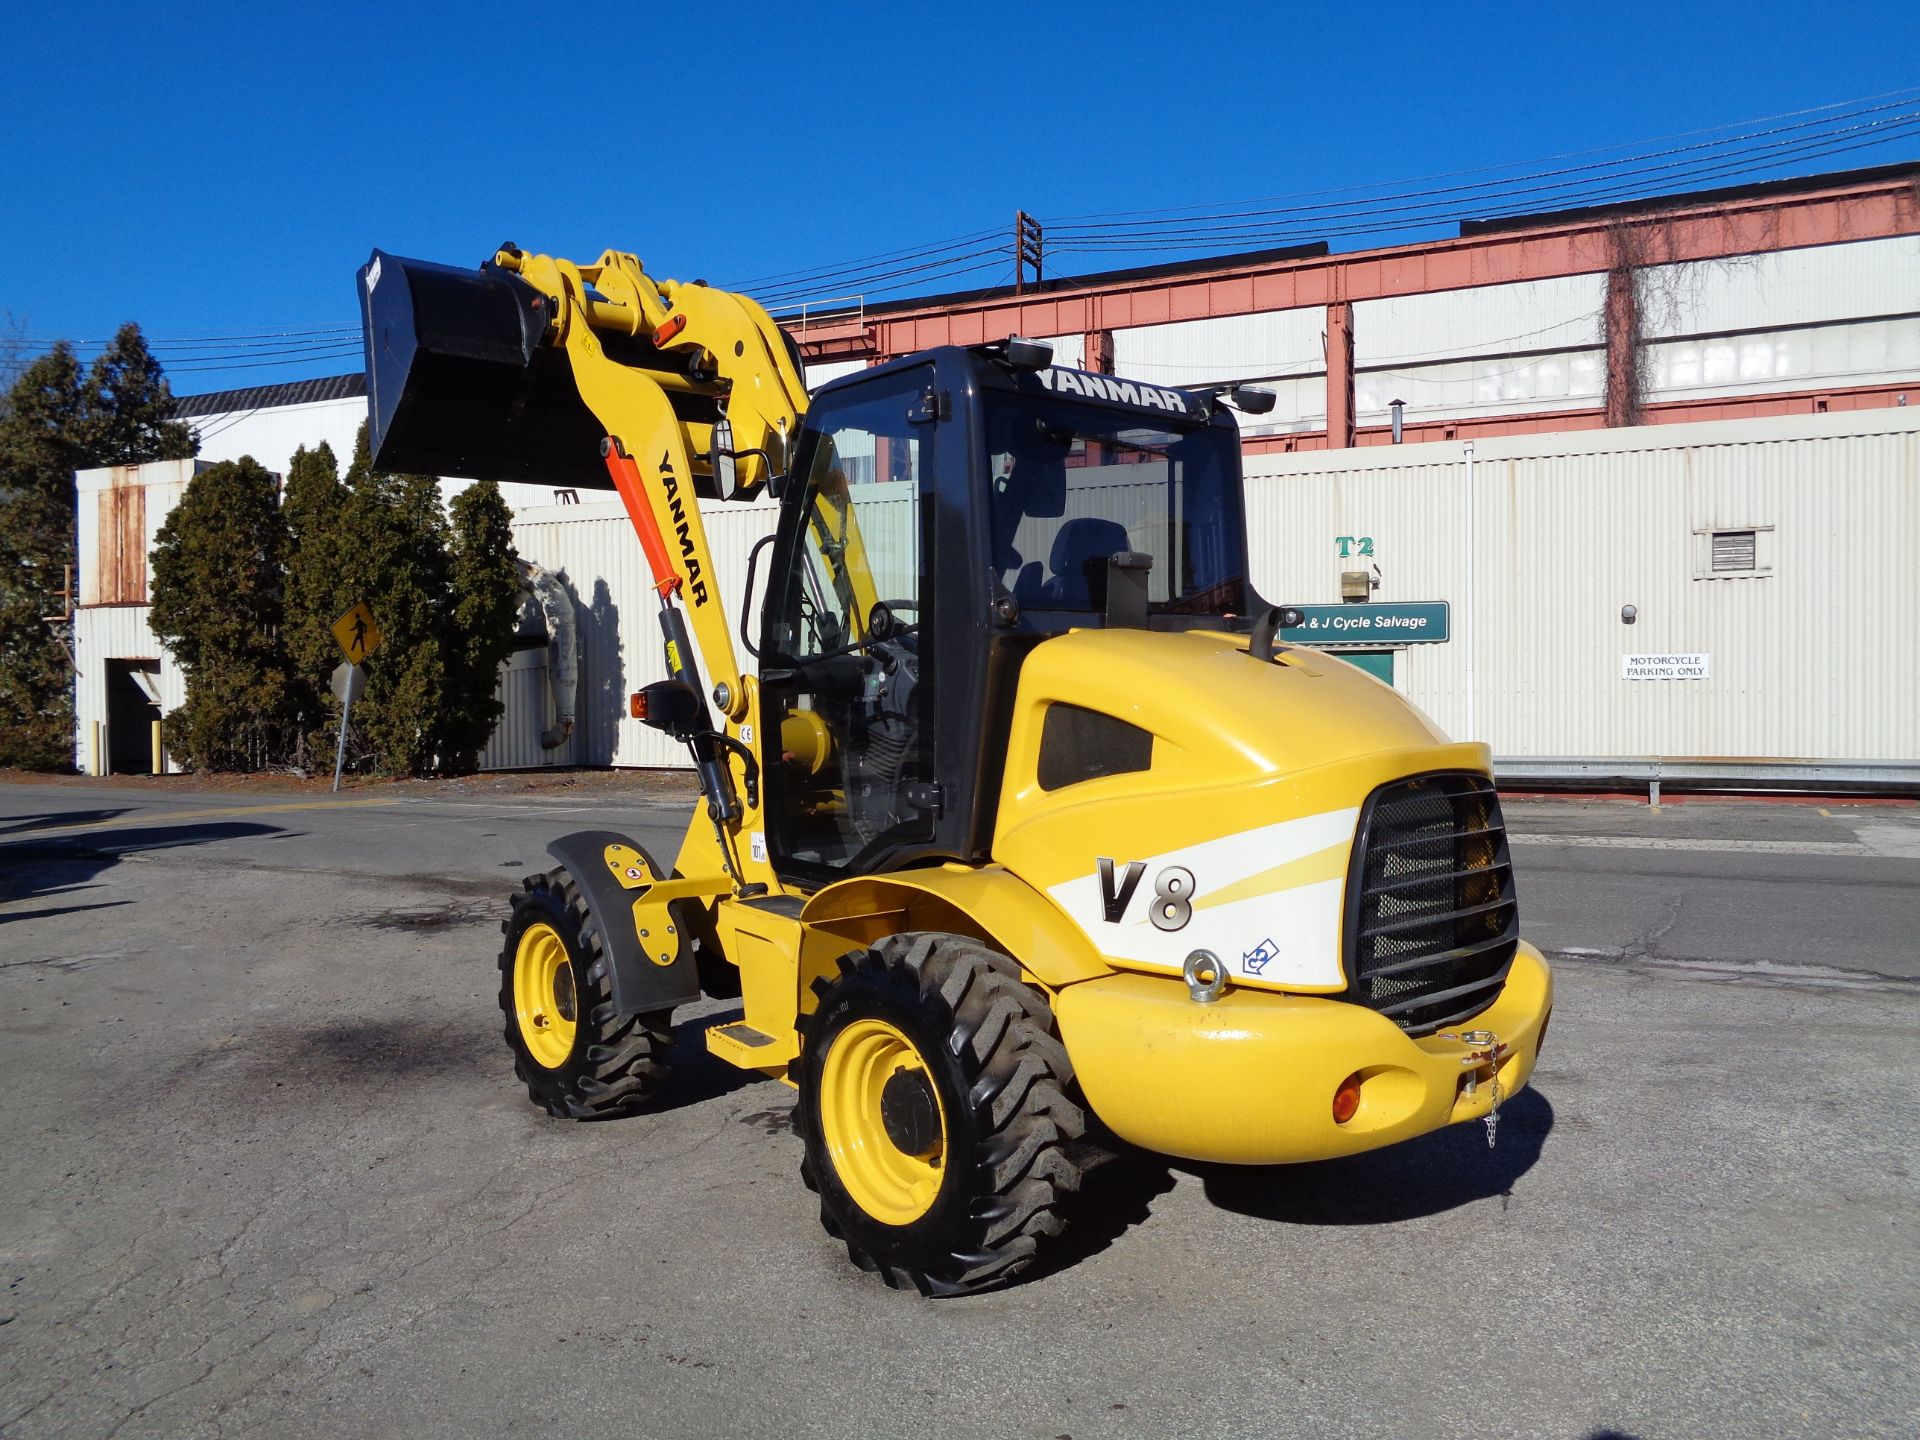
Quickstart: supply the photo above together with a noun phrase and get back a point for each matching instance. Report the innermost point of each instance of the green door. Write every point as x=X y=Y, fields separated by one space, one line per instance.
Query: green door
x=1377 y=663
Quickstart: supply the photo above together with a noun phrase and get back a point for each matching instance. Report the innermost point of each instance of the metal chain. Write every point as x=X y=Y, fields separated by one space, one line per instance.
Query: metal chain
x=1491 y=1043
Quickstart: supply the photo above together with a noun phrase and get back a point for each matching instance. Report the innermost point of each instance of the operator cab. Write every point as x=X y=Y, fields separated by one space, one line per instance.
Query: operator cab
x=943 y=516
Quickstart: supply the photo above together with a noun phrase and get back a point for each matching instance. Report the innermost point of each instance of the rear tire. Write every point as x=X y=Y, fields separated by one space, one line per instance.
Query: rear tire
x=579 y=1059
x=935 y=1110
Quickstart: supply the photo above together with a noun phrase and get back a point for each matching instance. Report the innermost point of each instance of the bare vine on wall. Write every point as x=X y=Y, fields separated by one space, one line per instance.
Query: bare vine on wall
x=1652 y=292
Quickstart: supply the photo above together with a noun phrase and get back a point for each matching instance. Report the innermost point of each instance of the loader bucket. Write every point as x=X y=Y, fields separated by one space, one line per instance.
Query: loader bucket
x=459 y=383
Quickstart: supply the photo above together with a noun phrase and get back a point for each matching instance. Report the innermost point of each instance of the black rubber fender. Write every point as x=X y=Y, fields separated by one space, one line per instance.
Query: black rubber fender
x=639 y=985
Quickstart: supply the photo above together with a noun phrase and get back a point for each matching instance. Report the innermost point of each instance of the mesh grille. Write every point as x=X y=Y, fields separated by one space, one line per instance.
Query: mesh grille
x=1431 y=919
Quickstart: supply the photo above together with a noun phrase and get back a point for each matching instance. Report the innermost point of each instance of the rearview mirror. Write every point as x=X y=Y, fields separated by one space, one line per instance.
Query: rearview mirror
x=1029 y=354
x=725 y=477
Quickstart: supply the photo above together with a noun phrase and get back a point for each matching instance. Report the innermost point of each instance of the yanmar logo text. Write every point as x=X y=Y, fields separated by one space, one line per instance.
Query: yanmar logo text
x=1108 y=387
x=696 y=582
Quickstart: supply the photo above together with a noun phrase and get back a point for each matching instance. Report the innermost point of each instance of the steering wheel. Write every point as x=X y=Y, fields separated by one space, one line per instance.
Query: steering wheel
x=883 y=624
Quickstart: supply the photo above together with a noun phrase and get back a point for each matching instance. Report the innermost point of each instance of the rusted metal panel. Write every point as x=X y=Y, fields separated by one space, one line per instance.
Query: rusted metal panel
x=1848 y=212
x=123 y=539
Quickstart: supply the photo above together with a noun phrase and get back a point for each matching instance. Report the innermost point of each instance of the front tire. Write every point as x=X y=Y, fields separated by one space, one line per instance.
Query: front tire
x=578 y=1057
x=934 y=1105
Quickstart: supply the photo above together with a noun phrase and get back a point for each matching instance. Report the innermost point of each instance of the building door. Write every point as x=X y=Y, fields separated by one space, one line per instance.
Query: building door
x=133 y=704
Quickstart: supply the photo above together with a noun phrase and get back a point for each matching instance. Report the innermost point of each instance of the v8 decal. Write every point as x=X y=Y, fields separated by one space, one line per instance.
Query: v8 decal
x=1172 y=894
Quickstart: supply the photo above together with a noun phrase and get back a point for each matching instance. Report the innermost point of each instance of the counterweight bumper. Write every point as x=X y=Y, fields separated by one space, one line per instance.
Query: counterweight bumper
x=1250 y=1078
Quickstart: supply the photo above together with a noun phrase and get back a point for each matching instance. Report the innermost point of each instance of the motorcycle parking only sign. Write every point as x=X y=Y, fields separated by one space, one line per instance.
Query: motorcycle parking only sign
x=1664 y=667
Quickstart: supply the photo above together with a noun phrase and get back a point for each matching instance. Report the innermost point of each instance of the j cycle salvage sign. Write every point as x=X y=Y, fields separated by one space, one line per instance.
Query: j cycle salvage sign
x=1664 y=667
x=1388 y=623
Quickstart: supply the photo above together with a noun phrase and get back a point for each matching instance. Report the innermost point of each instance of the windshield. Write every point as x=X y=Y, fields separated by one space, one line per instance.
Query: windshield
x=1073 y=484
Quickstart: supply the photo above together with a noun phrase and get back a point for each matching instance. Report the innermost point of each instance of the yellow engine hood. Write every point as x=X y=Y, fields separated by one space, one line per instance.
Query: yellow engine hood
x=1236 y=839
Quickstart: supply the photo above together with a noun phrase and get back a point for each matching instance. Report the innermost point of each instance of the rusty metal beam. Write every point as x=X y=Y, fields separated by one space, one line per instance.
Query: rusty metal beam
x=1670 y=412
x=1339 y=345
x=1861 y=211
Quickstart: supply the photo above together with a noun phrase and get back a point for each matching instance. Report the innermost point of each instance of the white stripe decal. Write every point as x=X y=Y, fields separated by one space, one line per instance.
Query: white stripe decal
x=1289 y=936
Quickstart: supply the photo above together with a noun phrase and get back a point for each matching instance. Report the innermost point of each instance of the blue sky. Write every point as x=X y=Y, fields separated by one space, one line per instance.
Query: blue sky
x=223 y=169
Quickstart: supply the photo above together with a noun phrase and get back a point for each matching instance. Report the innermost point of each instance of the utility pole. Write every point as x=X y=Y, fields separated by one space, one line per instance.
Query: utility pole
x=1027 y=250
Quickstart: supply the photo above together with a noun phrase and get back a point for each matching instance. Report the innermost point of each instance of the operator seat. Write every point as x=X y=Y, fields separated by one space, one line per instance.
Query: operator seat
x=1078 y=562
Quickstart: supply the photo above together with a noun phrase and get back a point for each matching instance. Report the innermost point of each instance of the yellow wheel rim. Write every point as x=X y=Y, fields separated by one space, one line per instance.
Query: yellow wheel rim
x=543 y=995
x=890 y=1185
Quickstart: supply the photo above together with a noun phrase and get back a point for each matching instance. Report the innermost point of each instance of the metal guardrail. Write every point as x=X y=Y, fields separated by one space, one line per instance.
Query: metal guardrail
x=1651 y=772
x=823 y=310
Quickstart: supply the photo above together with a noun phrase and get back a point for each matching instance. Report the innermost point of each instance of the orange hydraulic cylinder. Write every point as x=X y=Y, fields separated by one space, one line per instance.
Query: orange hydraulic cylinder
x=626 y=479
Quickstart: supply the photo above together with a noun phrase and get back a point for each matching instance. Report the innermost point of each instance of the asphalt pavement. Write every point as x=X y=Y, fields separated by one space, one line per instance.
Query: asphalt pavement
x=267 y=1171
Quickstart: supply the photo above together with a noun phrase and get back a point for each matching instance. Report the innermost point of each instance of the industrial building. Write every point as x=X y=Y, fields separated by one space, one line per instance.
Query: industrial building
x=1628 y=493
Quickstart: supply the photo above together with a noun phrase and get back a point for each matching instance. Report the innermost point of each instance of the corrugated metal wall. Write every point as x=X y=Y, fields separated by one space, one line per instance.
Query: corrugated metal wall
x=591 y=549
x=1839 y=315
x=121 y=510
x=113 y=632
x=1816 y=659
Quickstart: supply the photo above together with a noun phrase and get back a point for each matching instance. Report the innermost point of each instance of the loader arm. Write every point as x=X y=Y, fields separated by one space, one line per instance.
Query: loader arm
x=739 y=358
x=534 y=368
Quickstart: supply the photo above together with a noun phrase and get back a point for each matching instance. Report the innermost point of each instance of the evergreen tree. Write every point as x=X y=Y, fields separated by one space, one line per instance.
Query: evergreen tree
x=314 y=506
x=394 y=557
x=129 y=408
x=218 y=604
x=38 y=455
x=52 y=424
x=485 y=604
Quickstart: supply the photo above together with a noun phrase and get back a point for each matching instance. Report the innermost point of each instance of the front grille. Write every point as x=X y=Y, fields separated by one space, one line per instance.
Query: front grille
x=1431 y=923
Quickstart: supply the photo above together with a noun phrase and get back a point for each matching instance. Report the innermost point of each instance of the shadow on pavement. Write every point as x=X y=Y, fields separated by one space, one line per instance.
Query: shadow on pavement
x=33 y=867
x=1437 y=1172
x=58 y=819
x=693 y=1074
x=1115 y=1195
x=1425 y=1176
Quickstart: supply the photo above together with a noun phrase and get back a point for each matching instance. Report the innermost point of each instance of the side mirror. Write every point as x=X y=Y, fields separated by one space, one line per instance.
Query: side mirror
x=1029 y=354
x=1252 y=400
x=726 y=480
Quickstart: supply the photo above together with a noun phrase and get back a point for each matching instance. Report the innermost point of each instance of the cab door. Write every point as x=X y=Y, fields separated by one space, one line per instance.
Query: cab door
x=849 y=683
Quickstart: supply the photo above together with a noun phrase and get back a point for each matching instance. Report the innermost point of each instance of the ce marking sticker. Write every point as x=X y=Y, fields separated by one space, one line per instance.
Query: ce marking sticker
x=1173 y=890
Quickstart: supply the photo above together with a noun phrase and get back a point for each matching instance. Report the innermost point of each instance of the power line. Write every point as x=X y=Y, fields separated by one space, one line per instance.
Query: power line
x=828 y=269
x=1066 y=221
x=1197 y=233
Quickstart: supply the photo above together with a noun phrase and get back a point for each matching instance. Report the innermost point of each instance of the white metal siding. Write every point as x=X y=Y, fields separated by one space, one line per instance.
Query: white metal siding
x=1858 y=280
x=271 y=434
x=827 y=370
x=1068 y=350
x=1274 y=343
x=1555 y=314
x=593 y=551
x=114 y=632
x=1813 y=660
x=1861 y=352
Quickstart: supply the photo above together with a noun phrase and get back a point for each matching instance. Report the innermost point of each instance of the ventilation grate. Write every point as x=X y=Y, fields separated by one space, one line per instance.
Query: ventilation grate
x=1734 y=551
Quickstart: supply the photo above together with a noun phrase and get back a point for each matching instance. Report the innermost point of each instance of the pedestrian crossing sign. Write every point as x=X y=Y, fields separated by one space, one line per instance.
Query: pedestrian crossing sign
x=357 y=633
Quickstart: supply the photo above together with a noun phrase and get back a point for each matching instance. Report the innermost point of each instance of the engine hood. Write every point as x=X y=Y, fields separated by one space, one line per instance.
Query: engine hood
x=1232 y=832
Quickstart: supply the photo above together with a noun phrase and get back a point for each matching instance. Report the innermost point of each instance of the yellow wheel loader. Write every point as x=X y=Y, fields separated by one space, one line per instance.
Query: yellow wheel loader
x=1018 y=828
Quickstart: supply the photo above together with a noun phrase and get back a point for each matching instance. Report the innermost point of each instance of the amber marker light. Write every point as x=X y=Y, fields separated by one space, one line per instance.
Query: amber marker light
x=1346 y=1100
x=637 y=704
